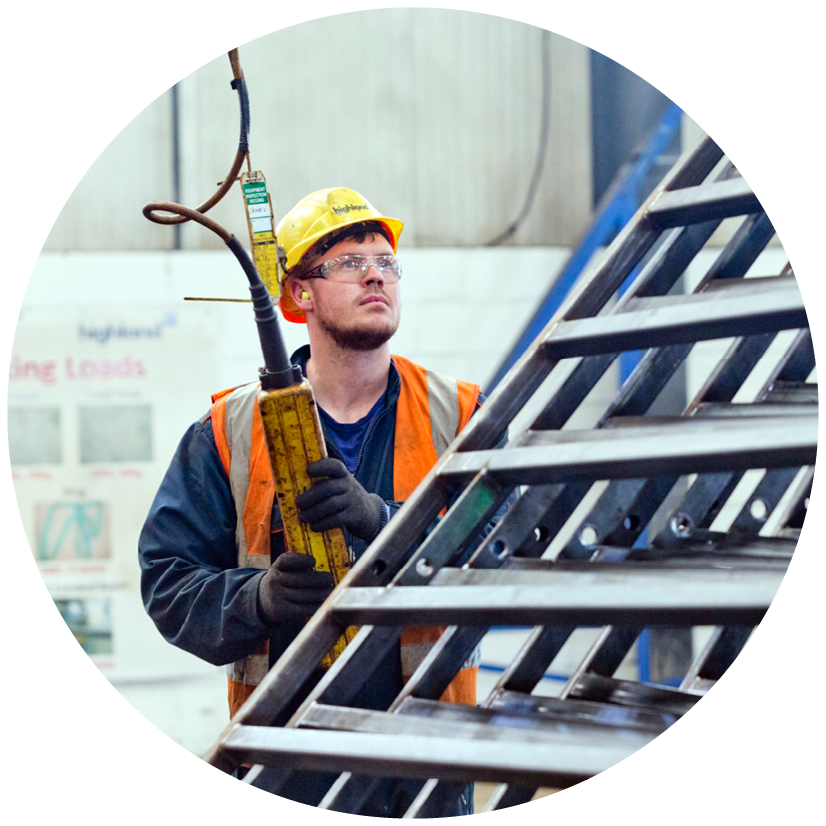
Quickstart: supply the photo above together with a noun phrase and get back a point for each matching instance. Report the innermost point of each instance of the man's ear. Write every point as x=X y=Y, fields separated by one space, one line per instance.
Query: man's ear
x=300 y=294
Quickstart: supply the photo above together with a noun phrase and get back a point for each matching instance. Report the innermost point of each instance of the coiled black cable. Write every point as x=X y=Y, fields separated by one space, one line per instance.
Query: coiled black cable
x=239 y=84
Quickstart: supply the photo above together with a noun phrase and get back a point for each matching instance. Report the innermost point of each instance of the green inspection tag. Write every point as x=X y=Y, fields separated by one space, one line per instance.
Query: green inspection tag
x=258 y=207
x=262 y=234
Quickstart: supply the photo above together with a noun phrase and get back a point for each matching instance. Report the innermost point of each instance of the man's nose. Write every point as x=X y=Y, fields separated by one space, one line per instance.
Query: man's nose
x=373 y=274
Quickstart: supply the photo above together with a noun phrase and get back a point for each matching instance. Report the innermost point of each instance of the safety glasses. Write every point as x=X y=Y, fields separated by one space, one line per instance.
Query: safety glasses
x=353 y=268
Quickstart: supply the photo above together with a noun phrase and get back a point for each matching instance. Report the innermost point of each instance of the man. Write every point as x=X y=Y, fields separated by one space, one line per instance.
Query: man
x=216 y=578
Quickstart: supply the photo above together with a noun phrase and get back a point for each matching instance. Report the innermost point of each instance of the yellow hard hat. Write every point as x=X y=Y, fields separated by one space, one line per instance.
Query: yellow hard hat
x=313 y=217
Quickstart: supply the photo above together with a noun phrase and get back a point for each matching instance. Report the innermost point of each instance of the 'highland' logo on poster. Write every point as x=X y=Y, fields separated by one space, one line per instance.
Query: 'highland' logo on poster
x=110 y=332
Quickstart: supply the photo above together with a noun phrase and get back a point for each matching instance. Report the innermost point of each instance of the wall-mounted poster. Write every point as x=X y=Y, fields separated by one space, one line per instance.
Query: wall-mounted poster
x=67 y=529
x=99 y=397
x=90 y=621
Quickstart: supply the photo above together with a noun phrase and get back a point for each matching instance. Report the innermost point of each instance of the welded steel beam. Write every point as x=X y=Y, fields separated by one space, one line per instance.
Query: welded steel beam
x=736 y=308
x=513 y=597
x=518 y=709
x=557 y=760
x=788 y=392
x=688 y=447
x=712 y=550
x=427 y=718
x=797 y=407
x=692 y=205
x=628 y=693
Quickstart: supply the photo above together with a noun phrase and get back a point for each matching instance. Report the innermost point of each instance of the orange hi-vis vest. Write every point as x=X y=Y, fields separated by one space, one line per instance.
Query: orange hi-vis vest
x=430 y=411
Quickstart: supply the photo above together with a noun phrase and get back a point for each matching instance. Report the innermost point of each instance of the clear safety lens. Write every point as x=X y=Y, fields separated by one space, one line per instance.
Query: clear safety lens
x=355 y=267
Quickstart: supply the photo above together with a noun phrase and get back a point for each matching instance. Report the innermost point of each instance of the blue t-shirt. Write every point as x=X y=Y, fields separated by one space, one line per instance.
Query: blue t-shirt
x=349 y=437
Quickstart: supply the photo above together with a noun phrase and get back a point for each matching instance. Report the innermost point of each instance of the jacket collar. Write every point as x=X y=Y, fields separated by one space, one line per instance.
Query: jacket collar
x=394 y=383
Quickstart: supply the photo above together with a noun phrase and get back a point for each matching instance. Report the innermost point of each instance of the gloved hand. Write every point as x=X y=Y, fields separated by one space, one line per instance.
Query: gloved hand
x=339 y=501
x=291 y=589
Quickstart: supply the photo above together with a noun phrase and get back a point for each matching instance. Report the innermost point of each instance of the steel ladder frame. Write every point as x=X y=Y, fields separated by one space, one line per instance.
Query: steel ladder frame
x=619 y=579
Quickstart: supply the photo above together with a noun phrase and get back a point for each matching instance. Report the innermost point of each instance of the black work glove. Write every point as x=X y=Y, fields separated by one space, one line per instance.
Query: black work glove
x=291 y=589
x=339 y=501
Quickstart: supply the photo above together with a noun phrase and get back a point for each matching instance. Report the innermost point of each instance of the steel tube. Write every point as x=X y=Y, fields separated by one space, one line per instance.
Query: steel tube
x=567 y=598
x=693 y=205
x=557 y=761
x=740 y=308
x=669 y=450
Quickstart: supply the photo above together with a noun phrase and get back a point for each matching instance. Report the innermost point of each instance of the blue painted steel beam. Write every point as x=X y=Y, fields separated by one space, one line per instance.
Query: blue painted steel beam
x=644 y=656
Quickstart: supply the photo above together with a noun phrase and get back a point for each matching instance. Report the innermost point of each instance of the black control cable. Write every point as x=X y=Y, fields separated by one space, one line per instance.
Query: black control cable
x=277 y=370
x=239 y=84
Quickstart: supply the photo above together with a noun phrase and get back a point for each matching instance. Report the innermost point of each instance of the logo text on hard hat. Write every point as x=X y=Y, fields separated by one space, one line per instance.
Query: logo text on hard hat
x=349 y=208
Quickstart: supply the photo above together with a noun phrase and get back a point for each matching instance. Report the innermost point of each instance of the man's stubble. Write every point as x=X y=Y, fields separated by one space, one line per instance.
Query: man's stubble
x=355 y=337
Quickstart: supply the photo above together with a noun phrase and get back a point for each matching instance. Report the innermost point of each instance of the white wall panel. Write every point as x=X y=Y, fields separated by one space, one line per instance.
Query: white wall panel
x=104 y=211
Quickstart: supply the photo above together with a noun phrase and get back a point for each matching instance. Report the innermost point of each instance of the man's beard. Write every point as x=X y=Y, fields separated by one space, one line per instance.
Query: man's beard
x=356 y=338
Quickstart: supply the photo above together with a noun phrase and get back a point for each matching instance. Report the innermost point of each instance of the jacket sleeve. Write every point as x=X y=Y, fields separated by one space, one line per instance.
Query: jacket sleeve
x=190 y=583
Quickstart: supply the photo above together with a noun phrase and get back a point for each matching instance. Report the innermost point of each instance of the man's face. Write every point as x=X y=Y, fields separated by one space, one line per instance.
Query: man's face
x=356 y=316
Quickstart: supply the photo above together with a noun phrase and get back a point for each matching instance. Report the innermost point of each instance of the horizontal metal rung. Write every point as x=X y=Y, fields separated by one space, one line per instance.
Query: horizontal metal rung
x=699 y=560
x=640 y=427
x=430 y=718
x=706 y=202
x=557 y=762
x=770 y=548
x=776 y=407
x=617 y=582
x=626 y=693
x=701 y=685
x=514 y=597
x=710 y=446
x=578 y=711
x=715 y=410
x=792 y=392
x=741 y=308
x=756 y=551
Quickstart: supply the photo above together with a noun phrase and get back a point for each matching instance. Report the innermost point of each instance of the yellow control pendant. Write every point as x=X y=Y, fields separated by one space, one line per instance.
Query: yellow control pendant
x=294 y=440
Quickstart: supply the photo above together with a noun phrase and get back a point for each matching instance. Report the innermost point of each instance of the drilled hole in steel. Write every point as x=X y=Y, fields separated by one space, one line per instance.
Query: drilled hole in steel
x=500 y=549
x=631 y=522
x=379 y=567
x=681 y=525
x=541 y=533
x=588 y=537
x=758 y=510
x=424 y=568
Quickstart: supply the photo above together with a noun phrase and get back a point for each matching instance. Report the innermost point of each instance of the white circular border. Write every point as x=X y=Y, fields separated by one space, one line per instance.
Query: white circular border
x=77 y=73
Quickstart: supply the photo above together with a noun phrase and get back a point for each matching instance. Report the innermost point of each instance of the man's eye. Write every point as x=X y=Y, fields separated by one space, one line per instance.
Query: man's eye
x=384 y=264
x=350 y=264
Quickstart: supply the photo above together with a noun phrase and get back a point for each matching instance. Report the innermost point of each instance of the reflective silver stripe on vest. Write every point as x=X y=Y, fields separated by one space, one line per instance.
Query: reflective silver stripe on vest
x=240 y=407
x=443 y=399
